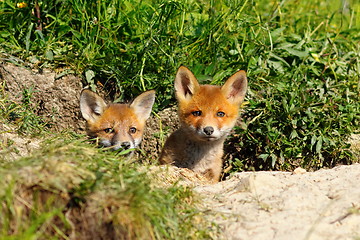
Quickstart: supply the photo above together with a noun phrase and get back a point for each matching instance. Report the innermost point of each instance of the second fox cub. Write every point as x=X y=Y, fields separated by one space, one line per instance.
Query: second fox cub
x=119 y=126
x=207 y=114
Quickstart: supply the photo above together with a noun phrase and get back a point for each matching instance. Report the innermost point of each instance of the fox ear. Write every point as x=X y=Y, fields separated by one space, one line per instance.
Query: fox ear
x=91 y=105
x=186 y=84
x=235 y=87
x=143 y=103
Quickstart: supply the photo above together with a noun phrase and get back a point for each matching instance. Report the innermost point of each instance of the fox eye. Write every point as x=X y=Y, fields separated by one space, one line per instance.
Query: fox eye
x=132 y=130
x=196 y=113
x=108 y=130
x=220 y=114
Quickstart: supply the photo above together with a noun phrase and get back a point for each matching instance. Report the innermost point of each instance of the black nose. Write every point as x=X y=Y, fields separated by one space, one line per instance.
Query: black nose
x=208 y=130
x=125 y=145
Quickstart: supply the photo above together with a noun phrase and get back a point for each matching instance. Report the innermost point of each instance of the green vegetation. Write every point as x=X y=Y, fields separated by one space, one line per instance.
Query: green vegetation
x=302 y=60
x=71 y=189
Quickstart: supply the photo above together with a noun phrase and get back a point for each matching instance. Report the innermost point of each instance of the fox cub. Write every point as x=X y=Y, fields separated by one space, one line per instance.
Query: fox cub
x=115 y=125
x=207 y=114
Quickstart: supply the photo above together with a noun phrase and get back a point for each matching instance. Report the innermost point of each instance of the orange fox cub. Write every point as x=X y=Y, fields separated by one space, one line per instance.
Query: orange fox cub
x=118 y=126
x=207 y=114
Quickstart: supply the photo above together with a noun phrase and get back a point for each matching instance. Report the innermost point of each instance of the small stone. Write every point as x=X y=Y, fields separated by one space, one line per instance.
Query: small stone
x=299 y=170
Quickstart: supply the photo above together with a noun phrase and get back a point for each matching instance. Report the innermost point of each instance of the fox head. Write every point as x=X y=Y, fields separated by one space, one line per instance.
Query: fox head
x=209 y=112
x=115 y=125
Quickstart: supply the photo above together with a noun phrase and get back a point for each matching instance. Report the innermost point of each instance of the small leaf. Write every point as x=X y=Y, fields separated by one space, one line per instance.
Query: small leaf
x=276 y=33
x=77 y=34
x=127 y=151
x=273 y=160
x=49 y=55
x=233 y=52
x=41 y=35
x=313 y=140
x=89 y=75
x=27 y=38
x=300 y=54
x=319 y=145
x=264 y=156
x=276 y=66
x=293 y=134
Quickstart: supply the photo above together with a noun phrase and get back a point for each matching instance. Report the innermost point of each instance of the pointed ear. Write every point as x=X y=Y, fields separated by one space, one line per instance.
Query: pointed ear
x=91 y=105
x=235 y=87
x=143 y=103
x=186 y=84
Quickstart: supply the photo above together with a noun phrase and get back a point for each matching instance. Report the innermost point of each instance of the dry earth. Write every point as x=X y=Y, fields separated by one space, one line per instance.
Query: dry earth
x=251 y=205
x=280 y=205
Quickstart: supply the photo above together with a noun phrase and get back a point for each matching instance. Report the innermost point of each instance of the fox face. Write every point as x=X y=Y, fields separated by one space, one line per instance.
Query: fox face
x=115 y=125
x=208 y=112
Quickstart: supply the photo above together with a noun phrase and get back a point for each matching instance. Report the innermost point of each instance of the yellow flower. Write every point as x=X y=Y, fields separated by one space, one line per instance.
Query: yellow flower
x=316 y=57
x=22 y=5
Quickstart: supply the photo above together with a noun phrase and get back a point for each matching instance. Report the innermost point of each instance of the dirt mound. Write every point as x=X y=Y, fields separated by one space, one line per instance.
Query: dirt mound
x=55 y=98
x=281 y=205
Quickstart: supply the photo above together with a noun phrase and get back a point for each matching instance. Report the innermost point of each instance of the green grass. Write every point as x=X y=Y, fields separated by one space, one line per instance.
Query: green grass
x=302 y=59
x=71 y=189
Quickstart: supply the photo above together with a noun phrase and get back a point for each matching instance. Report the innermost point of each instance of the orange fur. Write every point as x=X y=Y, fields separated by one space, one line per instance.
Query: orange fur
x=207 y=114
x=115 y=125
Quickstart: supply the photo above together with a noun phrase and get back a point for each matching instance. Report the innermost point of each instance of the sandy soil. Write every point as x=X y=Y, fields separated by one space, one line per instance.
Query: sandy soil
x=280 y=205
x=55 y=96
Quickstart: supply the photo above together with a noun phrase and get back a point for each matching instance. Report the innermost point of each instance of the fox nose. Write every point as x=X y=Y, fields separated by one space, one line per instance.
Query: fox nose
x=208 y=130
x=125 y=145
